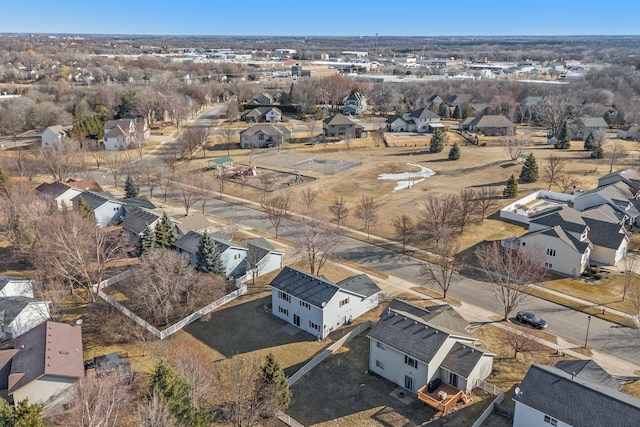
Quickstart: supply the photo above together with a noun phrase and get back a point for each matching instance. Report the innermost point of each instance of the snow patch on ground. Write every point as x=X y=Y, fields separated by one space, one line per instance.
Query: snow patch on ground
x=406 y=179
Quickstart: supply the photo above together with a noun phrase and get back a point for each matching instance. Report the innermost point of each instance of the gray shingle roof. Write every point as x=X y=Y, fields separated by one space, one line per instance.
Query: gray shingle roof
x=338 y=119
x=416 y=331
x=423 y=114
x=193 y=222
x=568 y=218
x=304 y=286
x=360 y=284
x=577 y=401
x=606 y=234
x=594 y=122
x=271 y=130
x=137 y=202
x=492 y=121
x=5 y=280
x=94 y=200
x=11 y=307
x=138 y=219
x=461 y=359
x=589 y=370
x=603 y=213
x=53 y=190
x=189 y=242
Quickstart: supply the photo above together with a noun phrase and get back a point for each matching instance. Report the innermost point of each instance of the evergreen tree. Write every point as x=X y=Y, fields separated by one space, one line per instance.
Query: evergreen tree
x=598 y=152
x=590 y=142
x=174 y=391
x=563 y=139
x=166 y=232
x=445 y=113
x=454 y=153
x=273 y=374
x=457 y=112
x=84 y=208
x=467 y=111
x=529 y=171
x=3 y=177
x=130 y=188
x=437 y=141
x=208 y=258
x=147 y=241
x=161 y=236
x=29 y=415
x=511 y=190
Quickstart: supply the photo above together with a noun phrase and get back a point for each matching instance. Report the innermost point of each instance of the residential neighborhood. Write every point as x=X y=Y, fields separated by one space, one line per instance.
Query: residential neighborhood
x=319 y=230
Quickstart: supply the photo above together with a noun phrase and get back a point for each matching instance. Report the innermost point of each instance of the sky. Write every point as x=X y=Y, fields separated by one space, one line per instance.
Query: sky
x=323 y=17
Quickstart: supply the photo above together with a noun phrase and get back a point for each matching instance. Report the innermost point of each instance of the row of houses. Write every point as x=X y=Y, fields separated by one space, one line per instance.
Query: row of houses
x=118 y=134
x=587 y=228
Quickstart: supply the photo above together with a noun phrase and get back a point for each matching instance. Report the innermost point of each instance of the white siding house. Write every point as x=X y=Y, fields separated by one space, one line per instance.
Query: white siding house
x=411 y=346
x=232 y=255
x=20 y=314
x=106 y=209
x=318 y=306
x=58 y=193
x=261 y=258
x=53 y=136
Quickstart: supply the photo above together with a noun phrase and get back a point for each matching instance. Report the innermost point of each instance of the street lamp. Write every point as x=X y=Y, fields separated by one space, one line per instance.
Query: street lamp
x=586 y=339
x=410 y=160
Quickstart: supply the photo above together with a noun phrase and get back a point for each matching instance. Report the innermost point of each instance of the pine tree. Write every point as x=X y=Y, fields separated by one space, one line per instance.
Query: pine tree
x=454 y=153
x=457 y=112
x=3 y=177
x=437 y=141
x=166 y=232
x=563 y=139
x=84 y=208
x=445 y=112
x=208 y=258
x=529 y=171
x=598 y=152
x=273 y=374
x=174 y=391
x=130 y=188
x=590 y=142
x=29 y=415
x=161 y=236
x=147 y=241
x=511 y=190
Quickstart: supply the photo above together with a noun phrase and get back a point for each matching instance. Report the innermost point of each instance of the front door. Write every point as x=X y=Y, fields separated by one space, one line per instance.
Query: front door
x=296 y=320
x=408 y=382
x=453 y=379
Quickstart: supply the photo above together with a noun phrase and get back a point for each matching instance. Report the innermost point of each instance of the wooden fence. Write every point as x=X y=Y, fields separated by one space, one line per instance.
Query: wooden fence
x=496 y=391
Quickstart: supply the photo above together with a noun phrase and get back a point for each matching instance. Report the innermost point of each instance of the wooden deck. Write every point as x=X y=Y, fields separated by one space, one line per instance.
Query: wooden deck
x=453 y=395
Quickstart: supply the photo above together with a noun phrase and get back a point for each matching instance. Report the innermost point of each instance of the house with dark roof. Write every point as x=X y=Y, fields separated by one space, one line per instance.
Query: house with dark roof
x=192 y=222
x=57 y=193
x=232 y=254
x=261 y=136
x=121 y=134
x=136 y=221
x=105 y=207
x=583 y=126
x=420 y=120
x=489 y=125
x=415 y=346
x=262 y=99
x=262 y=114
x=44 y=363
x=631 y=177
x=262 y=258
x=621 y=196
x=317 y=305
x=53 y=136
x=353 y=104
x=577 y=393
x=341 y=126
x=19 y=314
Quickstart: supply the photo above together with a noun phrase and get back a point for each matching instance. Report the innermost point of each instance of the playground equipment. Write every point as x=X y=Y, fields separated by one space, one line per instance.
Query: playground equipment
x=295 y=180
x=243 y=170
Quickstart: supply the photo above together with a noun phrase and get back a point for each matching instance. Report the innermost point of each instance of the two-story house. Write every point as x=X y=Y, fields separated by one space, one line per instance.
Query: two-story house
x=420 y=120
x=123 y=133
x=105 y=207
x=341 y=126
x=354 y=104
x=428 y=351
x=260 y=136
x=53 y=136
x=317 y=305
x=262 y=114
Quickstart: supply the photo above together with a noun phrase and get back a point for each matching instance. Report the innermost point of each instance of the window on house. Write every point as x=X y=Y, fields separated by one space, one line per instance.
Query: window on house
x=379 y=364
x=410 y=361
x=314 y=325
x=548 y=265
x=283 y=311
x=261 y=137
x=524 y=243
x=305 y=305
x=344 y=302
x=549 y=420
x=551 y=252
x=379 y=345
x=284 y=296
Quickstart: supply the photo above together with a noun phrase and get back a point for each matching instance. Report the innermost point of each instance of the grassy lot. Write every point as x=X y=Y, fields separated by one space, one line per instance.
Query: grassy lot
x=435 y=294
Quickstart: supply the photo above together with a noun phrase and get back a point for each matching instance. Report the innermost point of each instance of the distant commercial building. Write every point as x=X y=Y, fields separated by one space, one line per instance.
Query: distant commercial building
x=312 y=70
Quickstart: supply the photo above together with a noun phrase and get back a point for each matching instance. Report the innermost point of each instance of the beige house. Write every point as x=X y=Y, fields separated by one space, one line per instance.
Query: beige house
x=261 y=136
x=489 y=125
x=341 y=126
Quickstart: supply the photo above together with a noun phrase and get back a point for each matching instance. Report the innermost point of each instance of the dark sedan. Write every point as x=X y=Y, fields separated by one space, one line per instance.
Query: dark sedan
x=531 y=319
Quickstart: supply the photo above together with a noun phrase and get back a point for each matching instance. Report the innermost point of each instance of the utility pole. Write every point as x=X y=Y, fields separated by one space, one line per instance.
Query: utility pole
x=586 y=339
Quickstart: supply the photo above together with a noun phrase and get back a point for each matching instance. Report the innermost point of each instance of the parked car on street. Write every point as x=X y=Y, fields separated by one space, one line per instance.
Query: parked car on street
x=531 y=319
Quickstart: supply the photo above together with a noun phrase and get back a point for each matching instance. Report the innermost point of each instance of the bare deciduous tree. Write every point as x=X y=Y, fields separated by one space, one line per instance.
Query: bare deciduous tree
x=188 y=188
x=309 y=196
x=567 y=183
x=318 y=244
x=486 y=200
x=60 y=161
x=510 y=273
x=630 y=274
x=118 y=164
x=516 y=143
x=403 y=228
x=367 y=212
x=441 y=268
x=277 y=210
x=153 y=413
x=339 y=210
x=553 y=112
x=193 y=138
x=229 y=137
x=614 y=153
x=100 y=401
x=553 y=169
x=435 y=212
x=519 y=341
x=194 y=366
x=245 y=397
x=468 y=208
x=150 y=174
x=266 y=182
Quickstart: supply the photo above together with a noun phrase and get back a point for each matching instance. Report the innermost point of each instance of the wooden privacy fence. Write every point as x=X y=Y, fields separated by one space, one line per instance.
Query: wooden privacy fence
x=162 y=334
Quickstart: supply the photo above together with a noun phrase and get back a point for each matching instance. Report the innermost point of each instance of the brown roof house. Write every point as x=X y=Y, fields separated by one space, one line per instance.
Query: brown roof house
x=489 y=125
x=341 y=126
x=45 y=362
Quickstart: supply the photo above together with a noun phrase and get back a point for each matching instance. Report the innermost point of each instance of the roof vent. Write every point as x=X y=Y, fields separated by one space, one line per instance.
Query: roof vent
x=64 y=352
x=436 y=331
x=426 y=328
x=404 y=318
x=415 y=323
x=395 y=314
